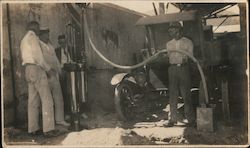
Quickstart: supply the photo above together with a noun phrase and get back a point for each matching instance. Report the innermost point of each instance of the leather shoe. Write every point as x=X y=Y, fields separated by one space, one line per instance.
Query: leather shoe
x=36 y=133
x=169 y=124
x=53 y=133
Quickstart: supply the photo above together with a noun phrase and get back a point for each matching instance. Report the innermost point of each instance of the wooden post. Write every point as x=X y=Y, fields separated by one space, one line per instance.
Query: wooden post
x=225 y=100
x=243 y=29
x=161 y=8
x=242 y=7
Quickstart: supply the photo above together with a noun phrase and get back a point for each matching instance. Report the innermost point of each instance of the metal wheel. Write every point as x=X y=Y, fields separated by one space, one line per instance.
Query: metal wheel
x=124 y=104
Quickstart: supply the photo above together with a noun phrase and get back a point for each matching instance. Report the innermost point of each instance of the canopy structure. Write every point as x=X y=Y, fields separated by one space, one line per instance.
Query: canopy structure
x=166 y=18
x=207 y=10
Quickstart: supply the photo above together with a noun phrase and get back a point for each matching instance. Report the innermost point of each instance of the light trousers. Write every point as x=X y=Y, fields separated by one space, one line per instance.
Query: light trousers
x=39 y=94
x=56 y=91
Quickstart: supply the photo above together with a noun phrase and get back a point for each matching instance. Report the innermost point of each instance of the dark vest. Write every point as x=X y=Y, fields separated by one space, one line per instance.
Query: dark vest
x=70 y=51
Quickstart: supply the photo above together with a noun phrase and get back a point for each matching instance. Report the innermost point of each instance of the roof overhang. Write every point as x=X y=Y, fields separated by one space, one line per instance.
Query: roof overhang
x=166 y=18
x=206 y=10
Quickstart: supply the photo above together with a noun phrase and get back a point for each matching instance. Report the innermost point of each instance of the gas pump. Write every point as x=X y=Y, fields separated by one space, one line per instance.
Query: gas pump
x=77 y=92
x=76 y=75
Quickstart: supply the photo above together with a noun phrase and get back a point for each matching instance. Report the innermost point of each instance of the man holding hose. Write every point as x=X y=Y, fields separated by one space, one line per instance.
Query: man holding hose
x=179 y=75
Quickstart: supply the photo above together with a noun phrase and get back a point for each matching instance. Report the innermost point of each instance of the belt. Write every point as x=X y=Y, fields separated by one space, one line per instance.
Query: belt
x=179 y=65
x=26 y=64
x=31 y=64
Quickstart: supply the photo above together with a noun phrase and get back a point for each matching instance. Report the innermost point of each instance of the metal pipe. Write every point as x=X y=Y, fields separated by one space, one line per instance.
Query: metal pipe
x=222 y=16
x=220 y=10
x=155 y=8
x=13 y=82
x=83 y=86
x=220 y=23
x=167 y=8
x=83 y=74
x=73 y=89
x=73 y=39
x=82 y=30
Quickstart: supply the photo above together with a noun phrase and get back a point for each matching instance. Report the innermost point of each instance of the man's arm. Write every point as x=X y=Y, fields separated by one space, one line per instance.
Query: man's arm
x=38 y=55
x=58 y=52
x=72 y=53
x=190 y=47
x=55 y=59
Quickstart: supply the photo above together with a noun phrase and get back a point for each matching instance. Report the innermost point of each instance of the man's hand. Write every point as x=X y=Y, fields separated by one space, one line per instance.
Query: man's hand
x=51 y=72
x=164 y=55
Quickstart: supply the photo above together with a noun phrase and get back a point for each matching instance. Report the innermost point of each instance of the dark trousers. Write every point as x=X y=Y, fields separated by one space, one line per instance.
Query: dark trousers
x=180 y=81
x=65 y=84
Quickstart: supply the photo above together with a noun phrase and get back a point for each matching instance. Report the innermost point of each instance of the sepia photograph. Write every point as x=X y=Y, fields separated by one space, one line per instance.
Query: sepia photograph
x=124 y=73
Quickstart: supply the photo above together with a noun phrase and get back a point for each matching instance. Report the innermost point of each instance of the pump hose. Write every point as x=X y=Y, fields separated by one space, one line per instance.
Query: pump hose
x=147 y=60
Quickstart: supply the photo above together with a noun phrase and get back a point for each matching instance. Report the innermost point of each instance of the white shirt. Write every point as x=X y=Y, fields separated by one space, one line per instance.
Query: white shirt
x=31 y=51
x=182 y=44
x=50 y=56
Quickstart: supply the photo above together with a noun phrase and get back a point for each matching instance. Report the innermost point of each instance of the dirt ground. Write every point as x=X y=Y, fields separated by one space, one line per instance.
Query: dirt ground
x=104 y=129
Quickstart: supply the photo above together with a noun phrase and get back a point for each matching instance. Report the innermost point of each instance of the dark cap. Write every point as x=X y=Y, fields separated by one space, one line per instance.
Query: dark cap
x=175 y=25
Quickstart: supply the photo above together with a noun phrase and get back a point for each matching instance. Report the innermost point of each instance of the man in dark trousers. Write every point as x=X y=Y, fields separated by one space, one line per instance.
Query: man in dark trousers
x=179 y=74
x=64 y=54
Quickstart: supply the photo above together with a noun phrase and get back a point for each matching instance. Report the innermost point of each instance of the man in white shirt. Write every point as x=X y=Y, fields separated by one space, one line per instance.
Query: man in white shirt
x=38 y=87
x=179 y=75
x=53 y=78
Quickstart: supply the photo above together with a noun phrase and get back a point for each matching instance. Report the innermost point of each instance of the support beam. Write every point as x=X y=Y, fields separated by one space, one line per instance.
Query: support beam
x=221 y=16
x=167 y=8
x=156 y=13
x=13 y=79
x=243 y=32
x=243 y=22
x=220 y=24
x=220 y=10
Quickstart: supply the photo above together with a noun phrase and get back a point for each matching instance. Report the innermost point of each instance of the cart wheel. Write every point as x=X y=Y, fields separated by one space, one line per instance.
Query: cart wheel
x=123 y=101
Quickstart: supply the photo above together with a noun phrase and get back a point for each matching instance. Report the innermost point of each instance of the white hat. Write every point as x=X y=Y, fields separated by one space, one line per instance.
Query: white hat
x=44 y=28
